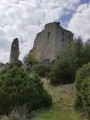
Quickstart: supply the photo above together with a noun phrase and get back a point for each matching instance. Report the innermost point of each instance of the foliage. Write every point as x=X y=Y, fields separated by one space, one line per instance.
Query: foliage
x=62 y=108
x=30 y=59
x=41 y=70
x=64 y=68
x=18 y=88
x=82 y=83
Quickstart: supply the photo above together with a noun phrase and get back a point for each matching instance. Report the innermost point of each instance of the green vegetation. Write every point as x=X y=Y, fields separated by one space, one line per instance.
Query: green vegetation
x=41 y=70
x=30 y=59
x=82 y=82
x=33 y=66
x=24 y=91
x=18 y=88
x=62 y=109
x=63 y=70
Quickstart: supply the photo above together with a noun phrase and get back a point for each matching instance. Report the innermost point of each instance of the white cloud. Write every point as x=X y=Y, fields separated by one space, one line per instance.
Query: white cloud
x=25 y=18
x=80 y=22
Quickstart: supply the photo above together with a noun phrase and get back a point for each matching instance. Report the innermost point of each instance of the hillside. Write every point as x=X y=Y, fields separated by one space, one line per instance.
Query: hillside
x=62 y=109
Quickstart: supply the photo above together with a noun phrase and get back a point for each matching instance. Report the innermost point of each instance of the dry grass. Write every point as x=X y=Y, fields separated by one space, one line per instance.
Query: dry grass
x=4 y=117
x=17 y=114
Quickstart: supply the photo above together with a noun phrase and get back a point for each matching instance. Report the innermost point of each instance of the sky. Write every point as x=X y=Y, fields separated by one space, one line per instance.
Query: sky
x=23 y=19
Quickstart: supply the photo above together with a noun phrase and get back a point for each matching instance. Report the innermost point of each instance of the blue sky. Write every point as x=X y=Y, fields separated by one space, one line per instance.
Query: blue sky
x=66 y=18
x=84 y=1
x=25 y=18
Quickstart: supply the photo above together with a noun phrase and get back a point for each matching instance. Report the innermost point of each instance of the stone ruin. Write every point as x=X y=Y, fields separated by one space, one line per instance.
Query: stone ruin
x=47 y=46
x=14 y=55
x=51 y=41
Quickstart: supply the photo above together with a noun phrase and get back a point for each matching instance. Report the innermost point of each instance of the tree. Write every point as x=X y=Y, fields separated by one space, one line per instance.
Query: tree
x=17 y=89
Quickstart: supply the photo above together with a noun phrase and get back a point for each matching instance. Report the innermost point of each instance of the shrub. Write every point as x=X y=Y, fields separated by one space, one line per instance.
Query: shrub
x=41 y=70
x=61 y=75
x=17 y=89
x=30 y=59
x=82 y=83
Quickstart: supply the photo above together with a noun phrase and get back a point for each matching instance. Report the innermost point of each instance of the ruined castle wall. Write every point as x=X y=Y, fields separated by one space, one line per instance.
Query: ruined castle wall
x=59 y=45
x=51 y=41
x=63 y=39
x=49 y=47
x=45 y=43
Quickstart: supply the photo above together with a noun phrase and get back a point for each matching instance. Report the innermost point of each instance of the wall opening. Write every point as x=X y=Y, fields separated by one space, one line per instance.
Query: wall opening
x=63 y=32
x=48 y=34
x=63 y=39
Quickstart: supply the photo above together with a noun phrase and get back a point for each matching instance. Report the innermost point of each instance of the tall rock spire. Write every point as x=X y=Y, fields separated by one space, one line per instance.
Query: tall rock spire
x=14 y=55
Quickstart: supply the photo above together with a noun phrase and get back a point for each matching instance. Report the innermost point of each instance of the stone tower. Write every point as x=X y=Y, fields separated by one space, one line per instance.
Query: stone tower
x=14 y=55
x=51 y=41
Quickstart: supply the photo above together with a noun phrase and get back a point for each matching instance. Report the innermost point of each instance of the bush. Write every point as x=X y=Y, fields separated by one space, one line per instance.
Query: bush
x=30 y=59
x=61 y=75
x=82 y=83
x=17 y=89
x=41 y=70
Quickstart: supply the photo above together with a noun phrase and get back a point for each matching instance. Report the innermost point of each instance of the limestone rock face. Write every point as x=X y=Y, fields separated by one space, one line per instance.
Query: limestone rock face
x=14 y=55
